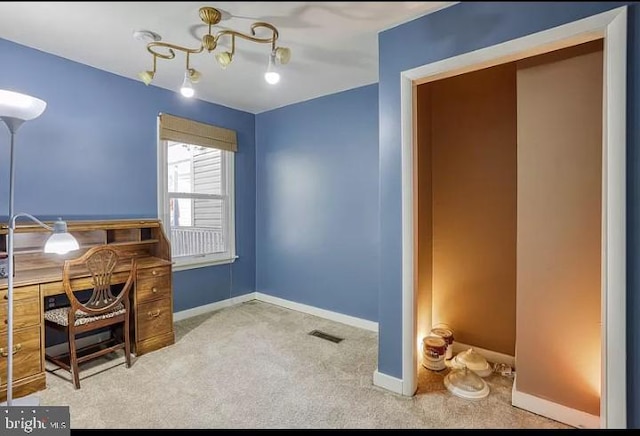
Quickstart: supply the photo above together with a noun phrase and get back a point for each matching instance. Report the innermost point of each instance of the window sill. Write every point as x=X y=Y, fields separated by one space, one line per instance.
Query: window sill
x=183 y=265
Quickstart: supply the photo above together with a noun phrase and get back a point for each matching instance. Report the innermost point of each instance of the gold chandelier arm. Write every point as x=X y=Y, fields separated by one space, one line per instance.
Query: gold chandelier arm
x=274 y=36
x=252 y=37
x=257 y=24
x=232 y=36
x=170 y=48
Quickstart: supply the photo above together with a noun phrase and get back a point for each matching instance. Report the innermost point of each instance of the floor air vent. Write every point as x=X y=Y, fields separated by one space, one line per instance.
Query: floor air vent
x=326 y=336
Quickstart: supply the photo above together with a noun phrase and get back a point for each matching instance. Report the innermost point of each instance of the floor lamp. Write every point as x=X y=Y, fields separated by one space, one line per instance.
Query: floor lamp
x=15 y=109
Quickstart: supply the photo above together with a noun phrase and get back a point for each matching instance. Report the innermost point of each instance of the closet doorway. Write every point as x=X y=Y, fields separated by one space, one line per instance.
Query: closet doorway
x=609 y=30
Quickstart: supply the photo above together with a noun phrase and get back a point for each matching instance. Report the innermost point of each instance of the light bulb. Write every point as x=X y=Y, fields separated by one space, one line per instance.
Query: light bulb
x=187 y=91
x=272 y=76
x=187 y=87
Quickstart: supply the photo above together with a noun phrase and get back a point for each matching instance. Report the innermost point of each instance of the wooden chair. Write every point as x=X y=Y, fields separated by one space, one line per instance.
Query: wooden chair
x=102 y=309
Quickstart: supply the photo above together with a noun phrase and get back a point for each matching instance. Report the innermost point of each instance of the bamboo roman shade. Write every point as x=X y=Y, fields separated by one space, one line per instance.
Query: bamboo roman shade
x=179 y=129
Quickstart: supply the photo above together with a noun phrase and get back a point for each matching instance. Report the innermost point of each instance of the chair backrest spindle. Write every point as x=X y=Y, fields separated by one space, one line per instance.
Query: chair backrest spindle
x=100 y=262
x=101 y=266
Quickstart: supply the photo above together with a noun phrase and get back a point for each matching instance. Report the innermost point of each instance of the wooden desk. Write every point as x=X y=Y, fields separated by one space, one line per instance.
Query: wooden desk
x=39 y=275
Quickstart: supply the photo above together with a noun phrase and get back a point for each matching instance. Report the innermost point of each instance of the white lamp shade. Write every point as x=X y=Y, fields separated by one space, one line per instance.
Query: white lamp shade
x=20 y=106
x=60 y=243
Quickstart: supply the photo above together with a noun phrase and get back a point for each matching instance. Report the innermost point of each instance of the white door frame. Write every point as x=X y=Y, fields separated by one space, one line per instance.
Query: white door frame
x=612 y=26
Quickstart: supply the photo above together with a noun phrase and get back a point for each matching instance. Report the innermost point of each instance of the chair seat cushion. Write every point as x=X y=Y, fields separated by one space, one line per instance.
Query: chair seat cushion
x=60 y=315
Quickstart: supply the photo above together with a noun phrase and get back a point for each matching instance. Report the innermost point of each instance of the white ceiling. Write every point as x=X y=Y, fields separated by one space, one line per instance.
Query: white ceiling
x=334 y=45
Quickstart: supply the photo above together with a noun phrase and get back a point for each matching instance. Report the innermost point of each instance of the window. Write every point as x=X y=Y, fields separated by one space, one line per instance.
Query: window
x=196 y=198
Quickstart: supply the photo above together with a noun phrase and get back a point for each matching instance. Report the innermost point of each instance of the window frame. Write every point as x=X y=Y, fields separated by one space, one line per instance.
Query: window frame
x=228 y=181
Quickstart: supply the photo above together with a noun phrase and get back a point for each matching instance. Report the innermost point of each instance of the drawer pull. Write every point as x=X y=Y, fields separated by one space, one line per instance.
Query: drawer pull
x=16 y=348
x=154 y=290
x=5 y=296
x=154 y=314
x=154 y=272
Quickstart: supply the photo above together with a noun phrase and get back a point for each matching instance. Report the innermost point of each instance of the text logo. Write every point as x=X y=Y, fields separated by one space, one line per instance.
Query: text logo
x=34 y=421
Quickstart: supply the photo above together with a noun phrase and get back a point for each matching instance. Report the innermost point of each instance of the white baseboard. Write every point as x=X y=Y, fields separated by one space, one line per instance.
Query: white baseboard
x=491 y=356
x=200 y=310
x=82 y=342
x=558 y=412
x=322 y=313
x=387 y=382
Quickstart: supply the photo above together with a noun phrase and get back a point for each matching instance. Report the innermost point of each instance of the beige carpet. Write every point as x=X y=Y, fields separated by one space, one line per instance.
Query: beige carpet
x=255 y=366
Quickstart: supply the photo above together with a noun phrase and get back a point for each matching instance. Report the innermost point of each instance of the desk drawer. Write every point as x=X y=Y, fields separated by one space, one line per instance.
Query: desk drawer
x=153 y=289
x=26 y=357
x=20 y=293
x=150 y=273
x=154 y=318
x=25 y=313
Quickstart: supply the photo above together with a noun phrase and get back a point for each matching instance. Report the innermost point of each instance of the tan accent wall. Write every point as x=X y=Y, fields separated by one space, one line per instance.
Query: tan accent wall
x=473 y=140
x=423 y=223
x=559 y=228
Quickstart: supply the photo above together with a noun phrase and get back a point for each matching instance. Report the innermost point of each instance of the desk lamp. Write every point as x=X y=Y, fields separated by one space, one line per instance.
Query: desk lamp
x=15 y=109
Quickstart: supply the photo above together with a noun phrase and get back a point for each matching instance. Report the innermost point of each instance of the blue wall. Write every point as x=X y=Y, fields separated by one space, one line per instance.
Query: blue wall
x=92 y=154
x=317 y=202
x=465 y=27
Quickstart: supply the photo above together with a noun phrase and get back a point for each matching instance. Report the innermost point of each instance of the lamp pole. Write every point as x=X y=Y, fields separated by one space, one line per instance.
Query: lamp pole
x=15 y=109
x=13 y=124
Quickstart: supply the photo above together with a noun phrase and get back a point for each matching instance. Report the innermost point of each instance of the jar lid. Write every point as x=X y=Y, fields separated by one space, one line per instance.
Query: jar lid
x=466 y=384
x=434 y=341
x=441 y=331
x=473 y=360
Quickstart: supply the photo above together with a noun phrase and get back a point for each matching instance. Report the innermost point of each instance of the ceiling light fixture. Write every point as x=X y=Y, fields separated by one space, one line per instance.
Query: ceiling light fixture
x=212 y=16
